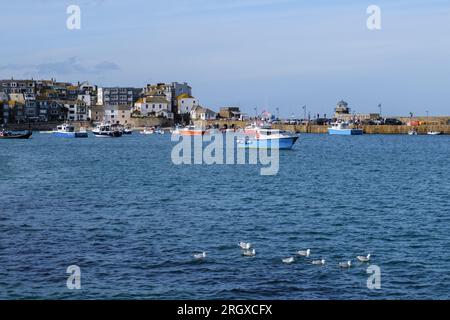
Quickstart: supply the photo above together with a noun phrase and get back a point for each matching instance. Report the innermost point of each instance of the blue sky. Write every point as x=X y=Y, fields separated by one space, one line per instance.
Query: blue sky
x=250 y=53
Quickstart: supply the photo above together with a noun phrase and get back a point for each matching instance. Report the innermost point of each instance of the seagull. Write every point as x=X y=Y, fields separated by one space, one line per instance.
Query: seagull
x=304 y=253
x=347 y=264
x=318 y=262
x=364 y=258
x=288 y=260
x=249 y=253
x=200 y=256
x=245 y=245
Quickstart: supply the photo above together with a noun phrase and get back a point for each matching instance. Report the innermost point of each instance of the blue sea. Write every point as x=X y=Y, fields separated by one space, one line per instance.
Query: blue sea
x=131 y=220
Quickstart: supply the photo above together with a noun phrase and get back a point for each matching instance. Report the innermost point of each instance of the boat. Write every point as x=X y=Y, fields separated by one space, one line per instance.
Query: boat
x=10 y=135
x=148 y=131
x=267 y=138
x=159 y=131
x=175 y=130
x=434 y=133
x=342 y=128
x=413 y=132
x=253 y=128
x=104 y=130
x=127 y=131
x=68 y=131
x=192 y=131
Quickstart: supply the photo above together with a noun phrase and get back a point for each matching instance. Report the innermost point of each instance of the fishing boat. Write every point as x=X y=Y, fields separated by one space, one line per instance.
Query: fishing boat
x=342 y=128
x=192 y=131
x=267 y=138
x=434 y=133
x=253 y=128
x=104 y=130
x=68 y=131
x=11 y=135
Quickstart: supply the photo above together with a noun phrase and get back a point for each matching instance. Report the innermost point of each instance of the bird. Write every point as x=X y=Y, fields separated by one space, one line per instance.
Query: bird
x=245 y=245
x=304 y=253
x=200 y=256
x=347 y=264
x=364 y=258
x=249 y=253
x=288 y=260
x=318 y=262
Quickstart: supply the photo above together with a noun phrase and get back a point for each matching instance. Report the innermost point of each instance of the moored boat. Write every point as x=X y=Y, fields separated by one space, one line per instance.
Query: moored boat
x=148 y=131
x=104 y=130
x=11 y=135
x=68 y=131
x=342 y=128
x=192 y=131
x=127 y=131
x=434 y=133
x=267 y=138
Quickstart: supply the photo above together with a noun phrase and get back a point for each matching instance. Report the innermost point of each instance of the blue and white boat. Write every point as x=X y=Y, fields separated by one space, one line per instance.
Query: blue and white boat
x=343 y=129
x=68 y=131
x=266 y=138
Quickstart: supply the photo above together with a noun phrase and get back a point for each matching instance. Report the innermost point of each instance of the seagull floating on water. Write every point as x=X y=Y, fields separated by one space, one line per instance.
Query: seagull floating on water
x=200 y=256
x=318 y=262
x=288 y=260
x=347 y=264
x=249 y=253
x=304 y=253
x=245 y=245
x=364 y=258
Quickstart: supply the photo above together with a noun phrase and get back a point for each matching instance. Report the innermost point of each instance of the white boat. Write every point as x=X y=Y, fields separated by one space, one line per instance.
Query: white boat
x=104 y=130
x=343 y=129
x=68 y=131
x=434 y=133
x=267 y=138
x=148 y=131
x=159 y=131
x=413 y=132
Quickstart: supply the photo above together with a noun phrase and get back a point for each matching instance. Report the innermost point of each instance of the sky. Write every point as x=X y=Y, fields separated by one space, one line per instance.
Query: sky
x=263 y=54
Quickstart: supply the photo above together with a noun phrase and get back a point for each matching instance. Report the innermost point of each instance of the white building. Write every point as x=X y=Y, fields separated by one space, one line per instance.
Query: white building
x=151 y=105
x=86 y=98
x=77 y=110
x=199 y=113
x=185 y=103
x=169 y=91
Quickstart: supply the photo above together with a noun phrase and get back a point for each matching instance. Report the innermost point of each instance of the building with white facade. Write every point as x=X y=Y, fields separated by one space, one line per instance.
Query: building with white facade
x=77 y=110
x=200 y=113
x=185 y=103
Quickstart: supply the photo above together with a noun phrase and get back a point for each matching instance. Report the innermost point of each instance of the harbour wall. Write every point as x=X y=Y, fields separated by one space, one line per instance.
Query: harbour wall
x=368 y=129
x=48 y=126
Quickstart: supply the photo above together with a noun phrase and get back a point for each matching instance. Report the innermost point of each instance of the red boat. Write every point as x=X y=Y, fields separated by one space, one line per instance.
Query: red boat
x=192 y=131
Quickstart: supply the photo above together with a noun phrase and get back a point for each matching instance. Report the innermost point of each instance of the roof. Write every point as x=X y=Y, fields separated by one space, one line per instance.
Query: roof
x=199 y=109
x=156 y=99
x=185 y=96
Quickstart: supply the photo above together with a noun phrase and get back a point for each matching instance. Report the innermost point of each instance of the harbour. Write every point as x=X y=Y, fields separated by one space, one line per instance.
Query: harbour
x=132 y=224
